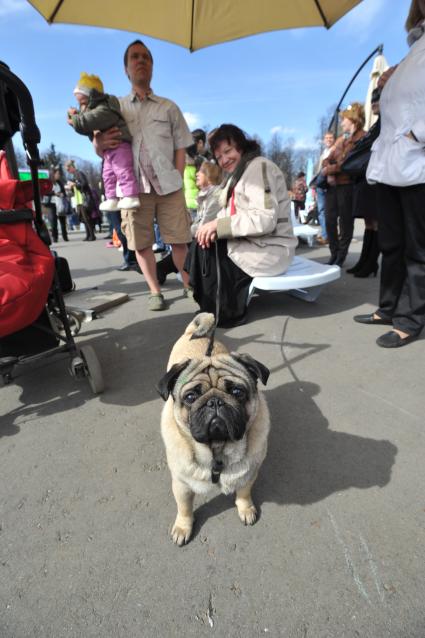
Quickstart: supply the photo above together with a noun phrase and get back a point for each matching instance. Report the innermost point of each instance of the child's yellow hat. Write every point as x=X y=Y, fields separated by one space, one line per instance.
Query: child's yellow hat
x=88 y=82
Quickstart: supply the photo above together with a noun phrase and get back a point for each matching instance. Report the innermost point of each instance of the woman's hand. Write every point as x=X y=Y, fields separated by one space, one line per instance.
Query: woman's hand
x=106 y=140
x=206 y=234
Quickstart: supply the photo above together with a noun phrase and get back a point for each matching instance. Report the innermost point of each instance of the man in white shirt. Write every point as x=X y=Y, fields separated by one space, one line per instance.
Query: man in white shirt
x=160 y=137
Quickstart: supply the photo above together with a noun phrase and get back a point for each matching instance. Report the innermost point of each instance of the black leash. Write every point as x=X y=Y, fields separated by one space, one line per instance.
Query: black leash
x=217 y=302
x=216 y=447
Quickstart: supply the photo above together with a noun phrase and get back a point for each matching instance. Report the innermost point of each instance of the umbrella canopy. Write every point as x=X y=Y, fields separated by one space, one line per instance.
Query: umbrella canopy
x=195 y=24
x=379 y=66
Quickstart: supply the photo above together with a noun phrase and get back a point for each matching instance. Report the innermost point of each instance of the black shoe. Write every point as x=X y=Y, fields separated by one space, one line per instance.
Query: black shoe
x=366 y=271
x=393 y=340
x=370 y=320
x=368 y=240
x=124 y=268
x=135 y=266
x=91 y=239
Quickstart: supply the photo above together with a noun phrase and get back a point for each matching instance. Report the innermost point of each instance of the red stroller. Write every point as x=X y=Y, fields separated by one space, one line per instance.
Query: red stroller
x=34 y=323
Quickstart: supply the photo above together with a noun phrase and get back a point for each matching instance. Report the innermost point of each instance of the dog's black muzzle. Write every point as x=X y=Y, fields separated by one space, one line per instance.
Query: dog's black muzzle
x=217 y=421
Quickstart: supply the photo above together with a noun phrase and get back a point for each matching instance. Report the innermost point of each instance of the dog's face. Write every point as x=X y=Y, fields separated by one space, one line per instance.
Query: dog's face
x=214 y=398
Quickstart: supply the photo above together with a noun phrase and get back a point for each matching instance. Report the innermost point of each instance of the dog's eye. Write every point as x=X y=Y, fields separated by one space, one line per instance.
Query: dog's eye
x=190 y=397
x=238 y=393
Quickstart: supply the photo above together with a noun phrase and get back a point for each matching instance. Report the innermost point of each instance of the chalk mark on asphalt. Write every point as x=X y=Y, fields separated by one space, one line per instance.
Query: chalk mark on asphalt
x=373 y=568
x=348 y=559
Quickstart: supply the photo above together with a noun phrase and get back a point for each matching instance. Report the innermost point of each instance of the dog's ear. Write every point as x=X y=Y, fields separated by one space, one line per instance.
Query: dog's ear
x=168 y=381
x=256 y=369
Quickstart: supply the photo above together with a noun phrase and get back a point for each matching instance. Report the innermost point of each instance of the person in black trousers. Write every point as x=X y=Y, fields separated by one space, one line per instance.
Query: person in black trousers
x=397 y=166
x=80 y=181
x=339 y=195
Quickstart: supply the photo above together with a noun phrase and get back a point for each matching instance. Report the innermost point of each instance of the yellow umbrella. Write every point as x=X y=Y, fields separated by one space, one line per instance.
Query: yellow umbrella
x=195 y=24
x=379 y=66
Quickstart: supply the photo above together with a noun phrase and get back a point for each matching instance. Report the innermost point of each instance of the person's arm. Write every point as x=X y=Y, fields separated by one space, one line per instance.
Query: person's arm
x=330 y=164
x=103 y=141
x=99 y=119
x=180 y=160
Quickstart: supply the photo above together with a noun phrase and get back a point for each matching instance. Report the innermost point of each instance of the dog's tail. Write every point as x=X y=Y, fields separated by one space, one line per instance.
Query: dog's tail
x=202 y=326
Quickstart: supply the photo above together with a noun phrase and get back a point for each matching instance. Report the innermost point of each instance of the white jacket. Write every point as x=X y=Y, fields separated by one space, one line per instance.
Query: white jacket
x=260 y=237
x=396 y=159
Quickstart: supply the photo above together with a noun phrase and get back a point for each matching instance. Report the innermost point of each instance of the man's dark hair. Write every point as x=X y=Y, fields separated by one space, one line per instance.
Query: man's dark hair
x=230 y=133
x=199 y=134
x=132 y=45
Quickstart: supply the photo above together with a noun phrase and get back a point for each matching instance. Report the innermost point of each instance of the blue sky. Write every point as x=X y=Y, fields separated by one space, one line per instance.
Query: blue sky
x=282 y=81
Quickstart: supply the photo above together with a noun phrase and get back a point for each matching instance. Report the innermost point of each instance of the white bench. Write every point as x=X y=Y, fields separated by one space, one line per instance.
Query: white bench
x=309 y=233
x=304 y=279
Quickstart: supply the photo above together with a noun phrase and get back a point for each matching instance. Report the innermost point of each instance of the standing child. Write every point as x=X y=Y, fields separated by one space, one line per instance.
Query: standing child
x=208 y=179
x=99 y=112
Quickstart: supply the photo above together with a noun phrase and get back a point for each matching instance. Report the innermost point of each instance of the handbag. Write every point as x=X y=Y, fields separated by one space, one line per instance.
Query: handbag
x=355 y=164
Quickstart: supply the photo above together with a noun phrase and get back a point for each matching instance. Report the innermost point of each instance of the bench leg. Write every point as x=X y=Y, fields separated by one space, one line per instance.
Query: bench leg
x=251 y=293
x=306 y=294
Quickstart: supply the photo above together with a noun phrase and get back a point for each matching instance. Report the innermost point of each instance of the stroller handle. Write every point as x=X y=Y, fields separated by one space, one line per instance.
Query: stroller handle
x=29 y=130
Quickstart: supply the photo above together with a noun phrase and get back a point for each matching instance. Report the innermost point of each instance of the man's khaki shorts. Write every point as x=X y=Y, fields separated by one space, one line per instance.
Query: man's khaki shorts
x=170 y=213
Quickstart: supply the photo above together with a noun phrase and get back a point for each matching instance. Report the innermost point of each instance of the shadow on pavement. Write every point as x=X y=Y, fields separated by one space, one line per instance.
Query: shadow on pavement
x=307 y=461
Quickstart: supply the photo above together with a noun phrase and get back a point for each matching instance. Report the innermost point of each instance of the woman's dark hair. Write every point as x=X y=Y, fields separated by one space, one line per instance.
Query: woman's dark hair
x=132 y=45
x=300 y=174
x=376 y=94
x=230 y=133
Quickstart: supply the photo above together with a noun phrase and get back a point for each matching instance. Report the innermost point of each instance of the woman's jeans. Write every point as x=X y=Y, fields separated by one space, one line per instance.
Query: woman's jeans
x=128 y=255
x=321 y=211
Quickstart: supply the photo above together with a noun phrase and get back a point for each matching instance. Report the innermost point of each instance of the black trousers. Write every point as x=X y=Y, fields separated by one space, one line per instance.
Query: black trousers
x=339 y=212
x=84 y=216
x=401 y=233
x=201 y=264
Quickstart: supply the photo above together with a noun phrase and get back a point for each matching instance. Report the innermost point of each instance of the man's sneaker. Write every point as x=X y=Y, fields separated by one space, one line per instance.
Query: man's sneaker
x=188 y=293
x=129 y=202
x=156 y=301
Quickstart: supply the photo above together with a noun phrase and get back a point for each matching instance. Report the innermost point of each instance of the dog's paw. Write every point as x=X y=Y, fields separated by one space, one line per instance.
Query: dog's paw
x=248 y=515
x=181 y=532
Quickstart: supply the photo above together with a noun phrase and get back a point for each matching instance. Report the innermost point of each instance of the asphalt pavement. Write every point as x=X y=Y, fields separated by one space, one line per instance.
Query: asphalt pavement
x=85 y=497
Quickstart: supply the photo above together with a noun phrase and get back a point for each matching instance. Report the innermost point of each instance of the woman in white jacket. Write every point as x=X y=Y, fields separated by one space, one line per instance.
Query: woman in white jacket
x=397 y=166
x=253 y=230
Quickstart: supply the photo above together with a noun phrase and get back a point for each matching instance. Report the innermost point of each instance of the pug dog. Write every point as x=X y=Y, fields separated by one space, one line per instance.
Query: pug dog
x=214 y=424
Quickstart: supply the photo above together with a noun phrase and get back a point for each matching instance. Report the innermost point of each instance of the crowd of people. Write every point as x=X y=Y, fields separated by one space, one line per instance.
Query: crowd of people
x=223 y=211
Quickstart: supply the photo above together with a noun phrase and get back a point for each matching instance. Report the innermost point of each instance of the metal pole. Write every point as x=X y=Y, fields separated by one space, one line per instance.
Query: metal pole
x=334 y=121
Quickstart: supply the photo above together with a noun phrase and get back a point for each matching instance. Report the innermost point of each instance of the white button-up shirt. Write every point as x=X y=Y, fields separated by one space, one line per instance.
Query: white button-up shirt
x=158 y=127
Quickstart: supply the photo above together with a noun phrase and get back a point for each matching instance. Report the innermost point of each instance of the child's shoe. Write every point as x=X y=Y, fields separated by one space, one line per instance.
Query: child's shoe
x=129 y=202
x=109 y=205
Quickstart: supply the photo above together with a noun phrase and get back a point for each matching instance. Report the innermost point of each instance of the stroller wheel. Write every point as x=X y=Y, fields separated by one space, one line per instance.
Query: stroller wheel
x=93 y=371
x=74 y=320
